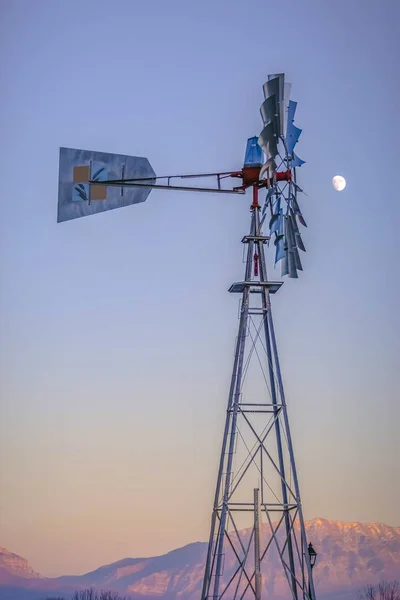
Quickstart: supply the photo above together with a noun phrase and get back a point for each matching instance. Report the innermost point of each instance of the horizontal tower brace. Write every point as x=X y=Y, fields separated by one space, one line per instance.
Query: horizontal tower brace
x=239 y=287
x=256 y=238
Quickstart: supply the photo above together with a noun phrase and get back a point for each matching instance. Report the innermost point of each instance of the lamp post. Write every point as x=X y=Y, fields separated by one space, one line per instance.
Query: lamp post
x=313 y=558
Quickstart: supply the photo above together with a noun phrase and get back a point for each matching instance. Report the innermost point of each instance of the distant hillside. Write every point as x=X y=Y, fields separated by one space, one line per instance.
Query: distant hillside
x=13 y=567
x=350 y=555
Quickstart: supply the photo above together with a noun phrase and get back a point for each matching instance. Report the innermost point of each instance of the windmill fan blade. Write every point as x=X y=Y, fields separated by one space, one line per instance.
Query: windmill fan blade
x=289 y=233
x=285 y=106
x=268 y=141
x=292 y=138
x=301 y=220
x=296 y=206
x=290 y=115
x=297 y=260
x=292 y=266
x=296 y=209
x=293 y=221
x=292 y=132
x=280 y=248
x=298 y=188
x=299 y=242
x=283 y=89
x=281 y=223
x=276 y=224
x=285 y=265
x=271 y=165
x=270 y=112
x=296 y=161
x=297 y=237
x=275 y=87
x=293 y=254
x=274 y=116
x=267 y=201
x=277 y=205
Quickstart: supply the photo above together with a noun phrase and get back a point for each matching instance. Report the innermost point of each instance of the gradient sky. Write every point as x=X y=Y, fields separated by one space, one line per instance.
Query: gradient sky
x=116 y=330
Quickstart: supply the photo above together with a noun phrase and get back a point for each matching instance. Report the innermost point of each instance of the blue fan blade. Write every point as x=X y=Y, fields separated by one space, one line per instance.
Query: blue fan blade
x=264 y=208
x=281 y=229
x=277 y=224
x=280 y=248
x=274 y=223
x=277 y=207
x=267 y=200
x=292 y=132
x=290 y=115
x=292 y=137
x=296 y=161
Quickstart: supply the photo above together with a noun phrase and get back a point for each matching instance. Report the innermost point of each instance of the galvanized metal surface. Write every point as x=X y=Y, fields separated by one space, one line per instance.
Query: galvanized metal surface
x=262 y=425
x=72 y=205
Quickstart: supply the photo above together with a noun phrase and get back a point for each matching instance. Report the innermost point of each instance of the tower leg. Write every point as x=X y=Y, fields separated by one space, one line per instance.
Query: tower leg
x=219 y=516
x=257 y=562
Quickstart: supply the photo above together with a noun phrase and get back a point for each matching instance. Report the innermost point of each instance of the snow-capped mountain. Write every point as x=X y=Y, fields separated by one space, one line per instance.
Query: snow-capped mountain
x=350 y=555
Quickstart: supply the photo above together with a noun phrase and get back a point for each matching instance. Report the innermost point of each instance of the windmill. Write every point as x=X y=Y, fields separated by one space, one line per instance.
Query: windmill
x=257 y=519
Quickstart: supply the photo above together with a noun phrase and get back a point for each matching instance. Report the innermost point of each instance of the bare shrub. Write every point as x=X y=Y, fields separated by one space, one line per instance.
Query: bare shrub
x=91 y=594
x=385 y=590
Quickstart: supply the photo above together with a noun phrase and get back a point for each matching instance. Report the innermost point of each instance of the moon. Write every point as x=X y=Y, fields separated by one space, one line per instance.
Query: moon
x=339 y=183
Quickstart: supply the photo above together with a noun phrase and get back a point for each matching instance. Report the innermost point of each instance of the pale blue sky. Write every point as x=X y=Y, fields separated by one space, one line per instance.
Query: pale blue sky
x=116 y=330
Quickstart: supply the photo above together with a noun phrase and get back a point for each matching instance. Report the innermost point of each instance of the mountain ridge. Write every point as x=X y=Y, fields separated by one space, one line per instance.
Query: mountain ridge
x=14 y=566
x=350 y=556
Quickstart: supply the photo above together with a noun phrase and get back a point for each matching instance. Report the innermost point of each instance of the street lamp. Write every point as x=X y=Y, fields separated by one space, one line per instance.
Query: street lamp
x=312 y=554
x=313 y=559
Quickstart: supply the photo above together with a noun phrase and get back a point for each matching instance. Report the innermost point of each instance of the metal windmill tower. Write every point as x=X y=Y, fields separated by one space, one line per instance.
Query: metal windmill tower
x=257 y=522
